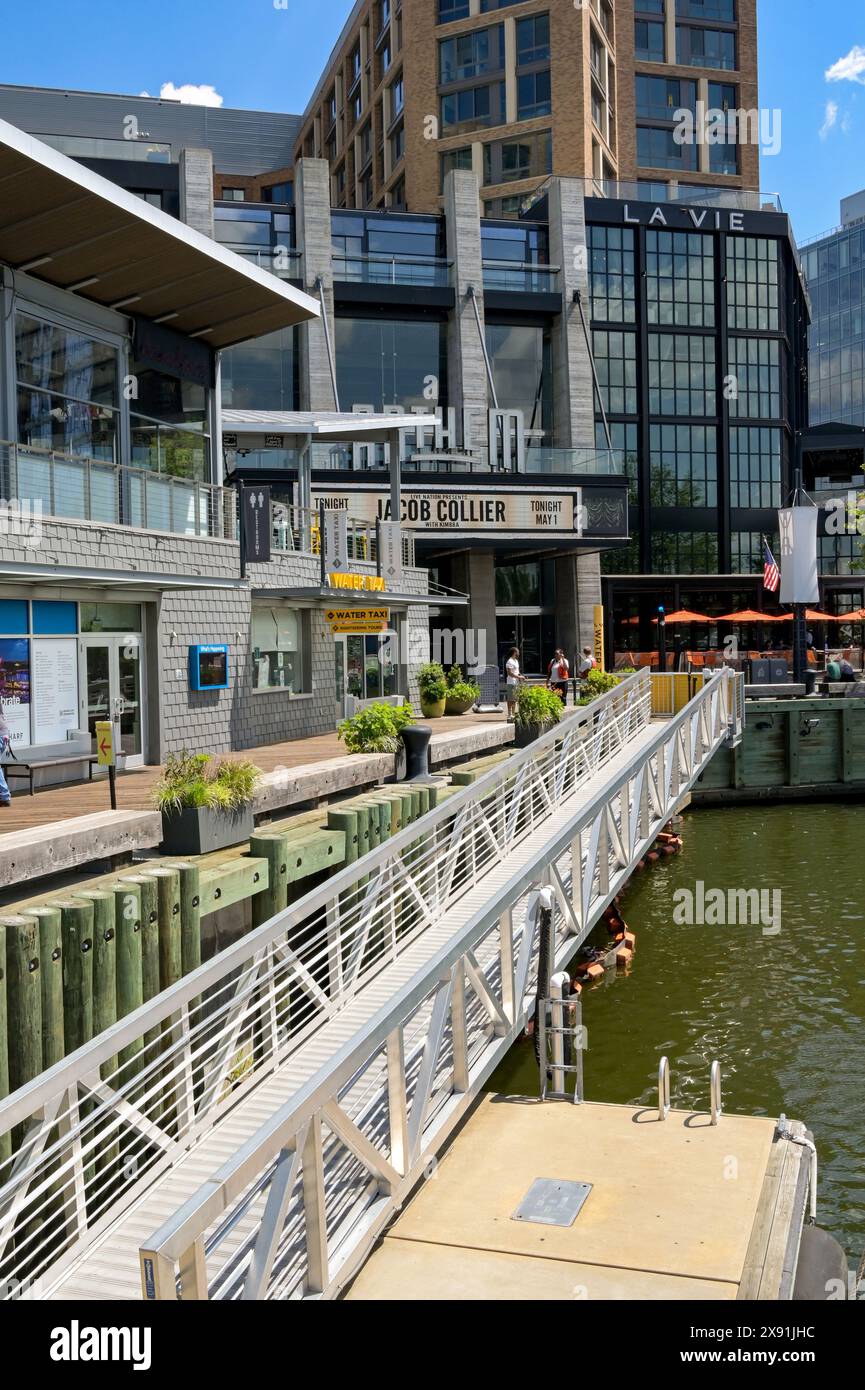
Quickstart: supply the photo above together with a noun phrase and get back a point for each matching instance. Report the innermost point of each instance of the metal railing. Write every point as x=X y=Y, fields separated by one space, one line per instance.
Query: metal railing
x=298 y=530
x=392 y=270
x=70 y=487
x=449 y=902
x=521 y=276
x=282 y=261
x=739 y=199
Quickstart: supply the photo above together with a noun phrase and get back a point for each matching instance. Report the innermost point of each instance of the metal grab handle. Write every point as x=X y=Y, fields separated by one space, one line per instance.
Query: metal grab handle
x=663 y=1088
x=715 y=1102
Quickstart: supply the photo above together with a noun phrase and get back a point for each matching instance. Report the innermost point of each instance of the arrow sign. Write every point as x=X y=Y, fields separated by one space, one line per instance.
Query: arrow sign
x=105 y=742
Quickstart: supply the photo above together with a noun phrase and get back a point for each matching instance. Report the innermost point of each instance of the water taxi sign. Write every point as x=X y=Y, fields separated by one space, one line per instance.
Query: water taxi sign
x=357 y=620
x=105 y=742
x=371 y=583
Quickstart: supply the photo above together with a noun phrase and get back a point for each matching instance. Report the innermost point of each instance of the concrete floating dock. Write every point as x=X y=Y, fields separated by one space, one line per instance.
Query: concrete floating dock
x=679 y=1209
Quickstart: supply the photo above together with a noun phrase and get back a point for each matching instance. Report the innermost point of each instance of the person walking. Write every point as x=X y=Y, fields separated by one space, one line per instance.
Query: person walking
x=558 y=674
x=513 y=679
x=586 y=664
x=5 y=746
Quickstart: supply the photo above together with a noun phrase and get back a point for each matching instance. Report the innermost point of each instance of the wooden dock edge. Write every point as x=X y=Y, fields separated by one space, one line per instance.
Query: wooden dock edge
x=769 y=1271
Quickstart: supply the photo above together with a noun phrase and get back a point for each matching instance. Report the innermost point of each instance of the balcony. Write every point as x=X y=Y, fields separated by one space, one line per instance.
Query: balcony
x=392 y=270
x=281 y=261
x=71 y=488
x=521 y=277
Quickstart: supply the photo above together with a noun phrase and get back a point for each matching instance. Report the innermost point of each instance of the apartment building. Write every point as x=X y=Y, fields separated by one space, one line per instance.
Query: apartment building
x=516 y=90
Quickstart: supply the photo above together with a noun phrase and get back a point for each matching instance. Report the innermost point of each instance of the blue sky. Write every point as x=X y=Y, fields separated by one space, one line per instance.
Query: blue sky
x=268 y=53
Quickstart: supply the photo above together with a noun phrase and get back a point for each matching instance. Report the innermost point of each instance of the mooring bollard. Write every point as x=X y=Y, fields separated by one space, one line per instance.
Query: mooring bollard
x=416 y=738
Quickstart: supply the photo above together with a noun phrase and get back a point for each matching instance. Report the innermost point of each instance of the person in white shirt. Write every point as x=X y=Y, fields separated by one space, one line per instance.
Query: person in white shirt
x=586 y=664
x=558 y=674
x=512 y=679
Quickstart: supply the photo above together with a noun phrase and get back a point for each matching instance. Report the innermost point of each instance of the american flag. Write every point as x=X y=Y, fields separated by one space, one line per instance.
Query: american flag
x=771 y=573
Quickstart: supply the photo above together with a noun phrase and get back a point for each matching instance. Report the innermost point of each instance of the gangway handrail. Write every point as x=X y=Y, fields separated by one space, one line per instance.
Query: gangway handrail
x=173 y=1241
x=187 y=1035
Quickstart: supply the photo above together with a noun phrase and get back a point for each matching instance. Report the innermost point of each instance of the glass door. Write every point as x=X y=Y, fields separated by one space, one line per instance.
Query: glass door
x=112 y=688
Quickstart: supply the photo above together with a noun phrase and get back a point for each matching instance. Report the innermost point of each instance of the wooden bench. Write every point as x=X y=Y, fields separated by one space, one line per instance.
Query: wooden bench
x=19 y=769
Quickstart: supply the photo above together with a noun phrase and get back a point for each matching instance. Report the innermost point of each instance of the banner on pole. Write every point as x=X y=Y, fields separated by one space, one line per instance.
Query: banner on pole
x=799 y=577
x=599 y=635
x=390 y=540
x=336 y=541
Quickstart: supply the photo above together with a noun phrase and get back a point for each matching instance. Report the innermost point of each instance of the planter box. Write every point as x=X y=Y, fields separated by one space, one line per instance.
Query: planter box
x=524 y=734
x=201 y=830
x=432 y=709
x=458 y=706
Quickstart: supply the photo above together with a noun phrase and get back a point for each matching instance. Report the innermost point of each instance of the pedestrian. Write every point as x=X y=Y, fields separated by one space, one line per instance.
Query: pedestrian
x=586 y=664
x=558 y=674
x=5 y=746
x=845 y=670
x=513 y=679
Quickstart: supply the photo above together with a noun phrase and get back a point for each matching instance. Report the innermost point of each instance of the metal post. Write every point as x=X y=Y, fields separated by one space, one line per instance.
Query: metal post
x=662 y=640
x=715 y=1101
x=560 y=986
x=321 y=544
x=241 y=518
x=664 y=1088
x=319 y=285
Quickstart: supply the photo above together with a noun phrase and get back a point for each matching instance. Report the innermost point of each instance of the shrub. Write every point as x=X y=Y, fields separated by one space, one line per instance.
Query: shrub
x=432 y=682
x=537 y=706
x=464 y=691
x=598 y=682
x=454 y=676
x=375 y=729
x=194 y=780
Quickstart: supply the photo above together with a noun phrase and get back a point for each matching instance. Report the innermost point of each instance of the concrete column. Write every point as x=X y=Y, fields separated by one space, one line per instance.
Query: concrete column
x=196 y=190
x=467 y=377
x=312 y=201
x=578 y=578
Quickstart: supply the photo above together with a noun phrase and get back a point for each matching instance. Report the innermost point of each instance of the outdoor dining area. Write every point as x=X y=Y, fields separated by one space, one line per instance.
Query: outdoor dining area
x=699 y=641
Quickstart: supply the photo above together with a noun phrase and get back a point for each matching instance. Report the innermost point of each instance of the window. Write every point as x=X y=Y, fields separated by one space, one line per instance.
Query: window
x=747 y=551
x=473 y=107
x=147 y=195
x=659 y=98
x=684 y=552
x=756 y=365
x=705 y=48
x=657 y=149
x=450 y=10
x=397 y=98
x=505 y=161
x=521 y=357
x=91 y=147
x=382 y=362
x=262 y=374
x=397 y=144
x=280 y=648
x=680 y=279
x=168 y=419
x=534 y=95
x=533 y=40
x=616 y=363
x=724 y=10
x=233 y=195
x=365 y=146
x=752 y=283
x=681 y=374
x=612 y=283
x=755 y=467
x=649 y=43
x=471 y=55
x=281 y=193
x=455 y=159
x=67 y=389
x=684 y=465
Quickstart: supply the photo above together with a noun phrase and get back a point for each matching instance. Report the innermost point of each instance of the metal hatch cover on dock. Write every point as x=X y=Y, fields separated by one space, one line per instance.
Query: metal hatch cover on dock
x=670 y=1215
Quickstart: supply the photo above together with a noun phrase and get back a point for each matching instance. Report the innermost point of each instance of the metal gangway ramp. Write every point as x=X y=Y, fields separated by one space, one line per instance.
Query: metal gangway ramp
x=251 y=1131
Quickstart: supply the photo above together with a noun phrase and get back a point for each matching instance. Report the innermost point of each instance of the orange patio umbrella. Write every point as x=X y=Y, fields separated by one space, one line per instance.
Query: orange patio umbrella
x=857 y=616
x=684 y=615
x=812 y=615
x=747 y=615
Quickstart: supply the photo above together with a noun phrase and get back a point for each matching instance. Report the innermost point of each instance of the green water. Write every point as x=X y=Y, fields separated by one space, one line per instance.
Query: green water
x=783 y=1013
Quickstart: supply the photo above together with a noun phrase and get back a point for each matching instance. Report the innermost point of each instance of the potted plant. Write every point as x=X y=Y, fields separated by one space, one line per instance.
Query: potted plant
x=462 y=694
x=433 y=689
x=538 y=710
x=376 y=729
x=205 y=806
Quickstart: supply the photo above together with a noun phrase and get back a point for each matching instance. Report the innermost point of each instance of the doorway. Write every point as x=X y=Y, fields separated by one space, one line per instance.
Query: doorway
x=364 y=668
x=112 y=687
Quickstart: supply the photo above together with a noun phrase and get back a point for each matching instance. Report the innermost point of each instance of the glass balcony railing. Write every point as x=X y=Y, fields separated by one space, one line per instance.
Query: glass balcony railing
x=282 y=261
x=610 y=463
x=521 y=277
x=391 y=270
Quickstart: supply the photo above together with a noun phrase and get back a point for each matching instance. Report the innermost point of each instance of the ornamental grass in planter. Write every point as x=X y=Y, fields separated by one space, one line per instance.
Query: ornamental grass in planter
x=205 y=805
x=537 y=711
x=461 y=694
x=376 y=729
x=433 y=687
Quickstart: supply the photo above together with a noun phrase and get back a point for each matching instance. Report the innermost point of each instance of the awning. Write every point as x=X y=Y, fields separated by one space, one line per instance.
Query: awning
x=322 y=596
x=84 y=578
x=334 y=427
x=74 y=229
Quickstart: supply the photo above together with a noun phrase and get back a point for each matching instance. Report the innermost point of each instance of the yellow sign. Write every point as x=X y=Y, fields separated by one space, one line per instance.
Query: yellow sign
x=371 y=583
x=358 y=620
x=105 y=742
x=599 y=636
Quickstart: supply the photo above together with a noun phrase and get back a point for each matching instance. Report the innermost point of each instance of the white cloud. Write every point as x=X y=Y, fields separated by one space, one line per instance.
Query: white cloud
x=850 y=68
x=830 y=119
x=191 y=95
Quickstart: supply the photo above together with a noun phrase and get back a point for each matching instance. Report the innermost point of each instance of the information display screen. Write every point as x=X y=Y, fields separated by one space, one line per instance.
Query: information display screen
x=208 y=668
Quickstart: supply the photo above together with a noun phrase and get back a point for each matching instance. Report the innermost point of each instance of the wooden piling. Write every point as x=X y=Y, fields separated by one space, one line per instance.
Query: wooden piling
x=76 y=923
x=104 y=960
x=190 y=917
x=274 y=898
x=23 y=999
x=5 y=1139
x=127 y=922
x=50 y=982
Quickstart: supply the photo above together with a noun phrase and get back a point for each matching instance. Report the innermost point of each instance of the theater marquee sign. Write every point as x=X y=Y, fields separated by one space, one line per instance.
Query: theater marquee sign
x=575 y=512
